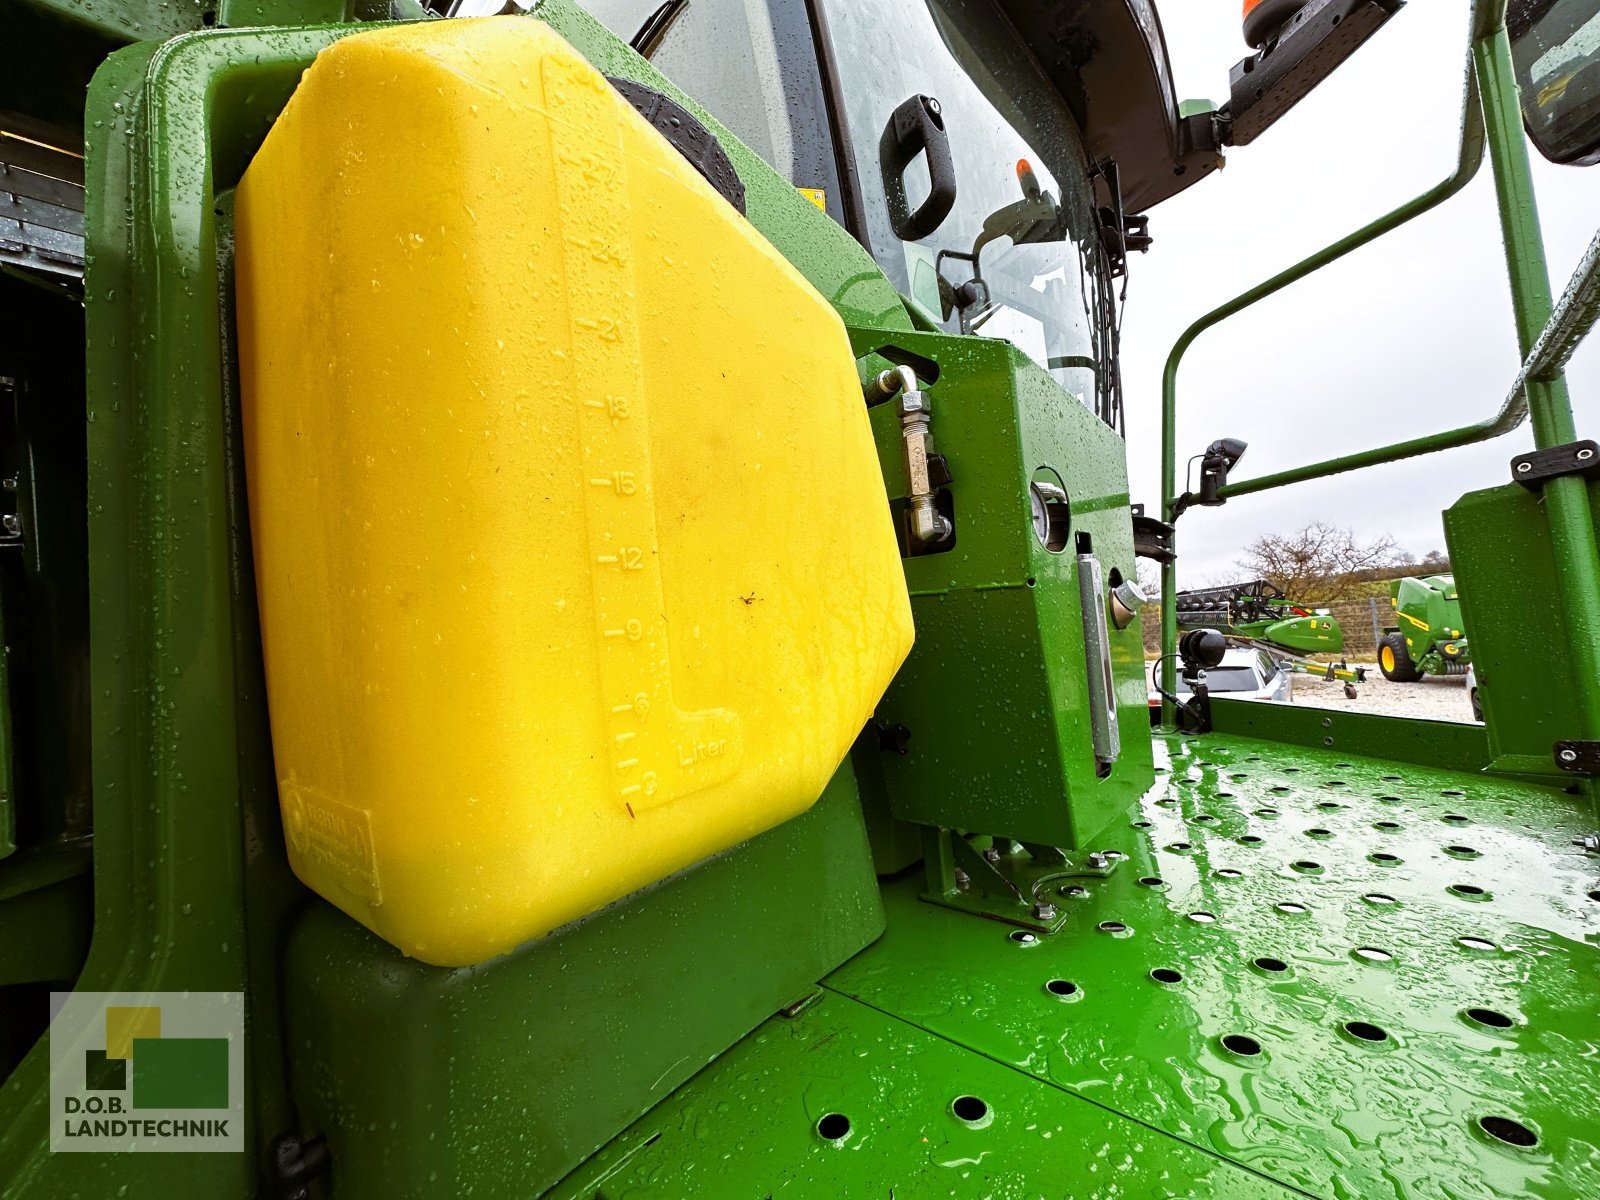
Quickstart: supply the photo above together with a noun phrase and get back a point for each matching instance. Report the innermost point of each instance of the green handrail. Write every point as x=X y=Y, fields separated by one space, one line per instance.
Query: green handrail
x=1487 y=16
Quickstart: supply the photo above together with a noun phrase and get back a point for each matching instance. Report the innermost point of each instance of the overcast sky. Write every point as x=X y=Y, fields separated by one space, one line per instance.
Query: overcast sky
x=1408 y=336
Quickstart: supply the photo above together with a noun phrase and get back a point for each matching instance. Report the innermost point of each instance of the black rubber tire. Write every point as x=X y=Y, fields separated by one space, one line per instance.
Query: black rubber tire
x=1396 y=665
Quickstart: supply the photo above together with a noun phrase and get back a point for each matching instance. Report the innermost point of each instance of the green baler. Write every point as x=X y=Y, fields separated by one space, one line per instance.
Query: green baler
x=1429 y=639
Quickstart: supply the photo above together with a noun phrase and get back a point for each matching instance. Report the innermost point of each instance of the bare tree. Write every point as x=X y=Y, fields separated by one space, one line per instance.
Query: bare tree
x=1319 y=563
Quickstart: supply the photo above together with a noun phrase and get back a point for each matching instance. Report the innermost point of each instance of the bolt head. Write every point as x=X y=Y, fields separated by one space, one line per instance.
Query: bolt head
x=1098 y=861
x=1044 y=912
x=1569 y=756
x=1523 y=468
x=991 y=855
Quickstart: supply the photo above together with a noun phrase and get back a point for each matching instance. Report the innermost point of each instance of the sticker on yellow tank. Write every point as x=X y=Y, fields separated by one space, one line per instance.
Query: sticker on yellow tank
x=572 y=551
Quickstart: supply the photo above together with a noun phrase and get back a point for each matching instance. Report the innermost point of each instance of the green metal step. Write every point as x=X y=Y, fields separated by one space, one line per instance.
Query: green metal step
x=1314 y=990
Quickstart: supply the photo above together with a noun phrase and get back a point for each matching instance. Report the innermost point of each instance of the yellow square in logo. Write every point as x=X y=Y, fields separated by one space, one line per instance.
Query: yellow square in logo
x=125 y=1024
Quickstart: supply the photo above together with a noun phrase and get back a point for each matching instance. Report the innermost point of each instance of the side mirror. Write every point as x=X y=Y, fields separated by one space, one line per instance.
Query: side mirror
x=1298 y=46
x=1219 y=458
x=1555 y=48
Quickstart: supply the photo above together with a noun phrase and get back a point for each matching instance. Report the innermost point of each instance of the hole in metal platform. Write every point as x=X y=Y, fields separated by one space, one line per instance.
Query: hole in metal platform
x=1167 y=802
x=1272 y=966
x=1306 y=867
x=1390 y=799
x=1022 y=937
x=1451 y=792
x=834 y=1127
x=1379 y=898
x=1166 y=975
x=1372 y=954
x=1512 y=1133
x=1141 y=825
x=1113 y=927
x=1204 y=818
x=1387 y=826
x=1072 y=891
x=1329 y=805
x=1463 y=852
x=1238 y=778
x=1384 y=859
x=1202 y=918
x=1291 y=907
x=1230 y=873
x=1224 y=795
x=1392 y=779
x=1468 y=891
x=969 y=1109
x=1241 y=1044
x=1114 y=855
x=1267 y=814
x=1366 y=1031
x=1455 y=819
x=1595 y=895
x=1344 y=766
x=1323 y=834
x=1476 y=943
x=1337 y=783
x=1180 y=847
x=1488 y=1018
x=1062 y=989
x=1250 y=839
x=1280 y=790
x=1291 y=770
x=1152 y=881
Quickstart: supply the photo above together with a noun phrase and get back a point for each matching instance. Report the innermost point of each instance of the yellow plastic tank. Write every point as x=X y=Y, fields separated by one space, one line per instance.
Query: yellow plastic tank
x=572 y=551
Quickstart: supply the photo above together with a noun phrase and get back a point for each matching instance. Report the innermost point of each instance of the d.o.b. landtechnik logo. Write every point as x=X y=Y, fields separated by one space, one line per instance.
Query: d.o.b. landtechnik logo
x=146 y=1071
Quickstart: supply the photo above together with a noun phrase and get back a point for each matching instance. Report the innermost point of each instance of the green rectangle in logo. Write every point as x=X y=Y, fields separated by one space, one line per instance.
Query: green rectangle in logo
x=174 y=1072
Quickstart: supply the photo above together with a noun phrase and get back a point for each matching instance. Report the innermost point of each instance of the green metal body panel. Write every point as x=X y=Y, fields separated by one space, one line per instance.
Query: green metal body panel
x=995 y=693
x=747 y=1126
x=548 y=1052
x=1309 y=635
x=1443 y=745
x=1428 y=612
x=1510 y=596
x=1389 y=1107
x=44 y=915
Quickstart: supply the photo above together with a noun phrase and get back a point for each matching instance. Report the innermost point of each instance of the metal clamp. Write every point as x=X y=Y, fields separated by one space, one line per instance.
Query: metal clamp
x=1579 y=757
x=1537 y=467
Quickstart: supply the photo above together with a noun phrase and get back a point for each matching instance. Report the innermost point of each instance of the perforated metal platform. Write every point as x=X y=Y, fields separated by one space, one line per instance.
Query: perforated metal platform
x=1328 y=975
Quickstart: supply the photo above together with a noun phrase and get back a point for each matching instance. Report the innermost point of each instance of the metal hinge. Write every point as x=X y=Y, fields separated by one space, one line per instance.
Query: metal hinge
x=1536 y=468
x=1579 y=757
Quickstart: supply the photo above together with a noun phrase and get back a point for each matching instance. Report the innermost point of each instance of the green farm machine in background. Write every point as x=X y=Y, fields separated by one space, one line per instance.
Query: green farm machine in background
x=696 y=351
x=1429 y=639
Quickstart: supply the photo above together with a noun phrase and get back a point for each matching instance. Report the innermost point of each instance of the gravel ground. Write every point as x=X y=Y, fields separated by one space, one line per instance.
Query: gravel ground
x=1434 y=697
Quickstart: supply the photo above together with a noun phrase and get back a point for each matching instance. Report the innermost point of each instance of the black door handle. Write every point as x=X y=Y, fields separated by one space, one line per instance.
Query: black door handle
x=917 y=126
